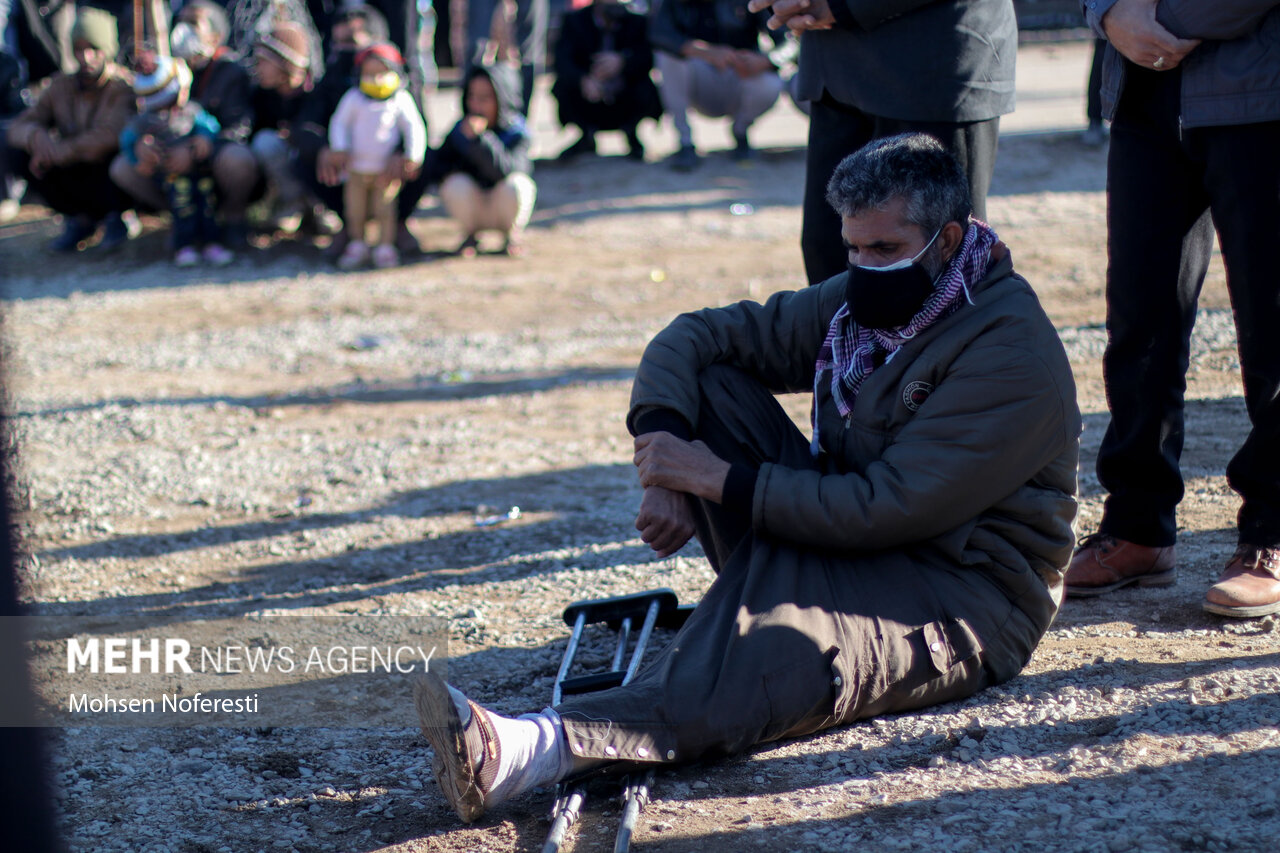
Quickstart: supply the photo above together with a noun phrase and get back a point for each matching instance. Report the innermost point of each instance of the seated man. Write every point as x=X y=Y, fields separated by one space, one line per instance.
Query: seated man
x=221 y=85
x=709 y=54
x=64 y=143
x=603 y=61
x=911 y=554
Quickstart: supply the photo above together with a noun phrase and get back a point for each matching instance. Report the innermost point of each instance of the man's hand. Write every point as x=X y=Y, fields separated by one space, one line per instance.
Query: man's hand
x=718 y=56
x=670 y=462
x=796 y=15
x=606 y=64
x=592 y=91
x=665 y=520
x=1132 y=29
x=474 y=126
x=330 y=165
x=201 y=148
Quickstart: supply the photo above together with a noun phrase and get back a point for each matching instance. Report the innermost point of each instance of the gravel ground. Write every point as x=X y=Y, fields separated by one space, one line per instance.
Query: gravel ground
x=277 y=439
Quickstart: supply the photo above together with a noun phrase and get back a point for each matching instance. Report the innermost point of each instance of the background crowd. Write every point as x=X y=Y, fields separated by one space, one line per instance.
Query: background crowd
x=310 y=113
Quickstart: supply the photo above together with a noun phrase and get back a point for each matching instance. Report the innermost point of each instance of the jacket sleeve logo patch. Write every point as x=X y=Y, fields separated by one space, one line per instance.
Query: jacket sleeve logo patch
x=914 y=395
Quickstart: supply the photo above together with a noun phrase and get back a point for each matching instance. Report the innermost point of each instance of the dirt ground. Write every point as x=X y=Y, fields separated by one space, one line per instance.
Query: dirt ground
x=277 y=438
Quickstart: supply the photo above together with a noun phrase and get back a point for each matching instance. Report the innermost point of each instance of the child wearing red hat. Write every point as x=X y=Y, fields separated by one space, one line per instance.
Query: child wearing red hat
x=373 y=121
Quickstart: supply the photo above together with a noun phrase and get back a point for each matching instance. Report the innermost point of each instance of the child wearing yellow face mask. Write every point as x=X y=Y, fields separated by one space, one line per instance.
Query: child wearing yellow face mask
x=372 y=122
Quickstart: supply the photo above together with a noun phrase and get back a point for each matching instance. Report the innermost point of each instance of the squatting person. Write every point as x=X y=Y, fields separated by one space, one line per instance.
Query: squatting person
x=911 y=553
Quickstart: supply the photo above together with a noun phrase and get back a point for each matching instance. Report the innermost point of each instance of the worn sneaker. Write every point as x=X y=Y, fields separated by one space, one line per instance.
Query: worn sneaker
x=1249 y=586
x=385 y=257
x=218 y=255
x=1103 y=564
x=75 y=231
x=354 y=255
x=464 y=758
x=187 y=256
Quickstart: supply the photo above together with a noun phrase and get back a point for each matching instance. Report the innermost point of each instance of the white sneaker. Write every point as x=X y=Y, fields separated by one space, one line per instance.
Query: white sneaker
x=356 y=253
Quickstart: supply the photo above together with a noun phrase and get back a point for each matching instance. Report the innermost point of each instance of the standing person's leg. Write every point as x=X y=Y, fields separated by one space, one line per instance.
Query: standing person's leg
x=835 y=132
x=972 y=143
x=356 y=202
x=385 y=253
x=181 y=195
x=384 y=211
x=1159 y=239
x=1243 y=178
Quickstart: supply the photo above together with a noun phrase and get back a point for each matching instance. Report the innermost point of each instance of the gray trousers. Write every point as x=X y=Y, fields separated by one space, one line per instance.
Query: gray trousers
x=695 y=84
x=787 y=640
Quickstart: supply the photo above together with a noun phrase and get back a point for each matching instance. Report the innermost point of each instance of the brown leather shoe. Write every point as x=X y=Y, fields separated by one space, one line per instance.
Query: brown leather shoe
x=1103 y=564
x=1249 y=586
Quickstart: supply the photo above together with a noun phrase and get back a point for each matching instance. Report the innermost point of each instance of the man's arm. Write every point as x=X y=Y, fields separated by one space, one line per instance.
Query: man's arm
x=981 y=436
x=776 y=342
x=1221 y=20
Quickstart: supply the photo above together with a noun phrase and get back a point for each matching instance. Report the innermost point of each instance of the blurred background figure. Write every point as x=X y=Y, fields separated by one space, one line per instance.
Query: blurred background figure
x=512 y=31
x=1096 y=133
x=222 y=87
x=171 y=145
x=708 y=52
x=63 y=144
x=602 y=69
x=373 y=120
x=282 y=83
x=488 y=183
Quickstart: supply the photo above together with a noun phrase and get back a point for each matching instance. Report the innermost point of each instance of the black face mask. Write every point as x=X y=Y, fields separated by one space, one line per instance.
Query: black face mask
x=888 y=297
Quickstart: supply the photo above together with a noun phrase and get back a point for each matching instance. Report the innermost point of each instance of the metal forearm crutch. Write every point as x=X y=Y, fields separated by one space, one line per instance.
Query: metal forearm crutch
x=620 y=613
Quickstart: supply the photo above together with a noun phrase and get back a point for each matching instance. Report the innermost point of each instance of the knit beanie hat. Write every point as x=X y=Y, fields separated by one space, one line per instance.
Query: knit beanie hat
x=161 y=88
x=98 y=28
x=289 y=43
x=385 y=51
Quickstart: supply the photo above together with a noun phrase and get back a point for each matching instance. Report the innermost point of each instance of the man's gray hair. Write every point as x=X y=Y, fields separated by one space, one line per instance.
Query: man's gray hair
x=911 y=166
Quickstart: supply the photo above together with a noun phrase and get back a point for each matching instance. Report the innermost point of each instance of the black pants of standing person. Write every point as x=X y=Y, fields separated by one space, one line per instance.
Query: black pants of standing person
x=1166 y=189
x=837 y=130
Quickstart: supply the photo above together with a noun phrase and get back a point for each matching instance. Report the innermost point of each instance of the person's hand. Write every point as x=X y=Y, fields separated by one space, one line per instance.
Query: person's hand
x=41 y=153
x=750 y=63
x=179 y=159
x=409 y=169
x=1132 y=29
x=330 y=165
x=665 y=520
x=201 y=148
x=717 y=56
x=670 y=462
x=606 y=64
x=592 y=91
x=474 y=126
x=796 y=15
x=147 y=154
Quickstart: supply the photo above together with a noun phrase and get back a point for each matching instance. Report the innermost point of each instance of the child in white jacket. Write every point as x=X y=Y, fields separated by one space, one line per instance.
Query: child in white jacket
x=372 y=122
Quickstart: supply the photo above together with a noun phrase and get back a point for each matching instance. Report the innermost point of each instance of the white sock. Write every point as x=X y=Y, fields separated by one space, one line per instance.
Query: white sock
x=533 y=750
